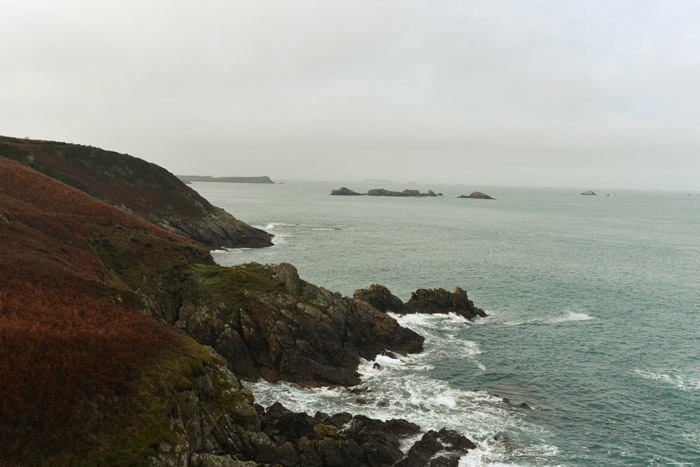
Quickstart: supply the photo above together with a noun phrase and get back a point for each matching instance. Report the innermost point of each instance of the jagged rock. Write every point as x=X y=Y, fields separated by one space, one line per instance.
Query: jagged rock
x=476 y=195
x=287 y=274
x=424 y=451
x=441 y=301
x=380 y=298
x=294 y=331
x=343 y=191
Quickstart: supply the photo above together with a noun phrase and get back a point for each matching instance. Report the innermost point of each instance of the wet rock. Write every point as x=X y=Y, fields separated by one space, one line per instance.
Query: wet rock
x=441 y=301
x=425 y=451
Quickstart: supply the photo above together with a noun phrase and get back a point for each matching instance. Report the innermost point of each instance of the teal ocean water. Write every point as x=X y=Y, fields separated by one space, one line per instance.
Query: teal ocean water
x=593 y=303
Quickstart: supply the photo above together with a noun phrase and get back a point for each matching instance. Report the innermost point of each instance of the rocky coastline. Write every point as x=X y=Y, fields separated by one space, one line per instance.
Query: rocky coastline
x=162 y=340
x=138 y=187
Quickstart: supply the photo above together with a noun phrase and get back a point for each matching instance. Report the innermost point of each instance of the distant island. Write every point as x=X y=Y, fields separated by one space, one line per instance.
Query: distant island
x=589 y=193
x=343 y=191
x=205 y=178
x=476 y=195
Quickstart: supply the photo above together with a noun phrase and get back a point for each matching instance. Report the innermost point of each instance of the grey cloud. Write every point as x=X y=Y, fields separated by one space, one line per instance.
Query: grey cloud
x=544 y=92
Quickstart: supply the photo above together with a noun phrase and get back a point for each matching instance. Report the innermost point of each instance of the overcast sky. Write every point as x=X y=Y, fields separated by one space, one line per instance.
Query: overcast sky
x=587 y=94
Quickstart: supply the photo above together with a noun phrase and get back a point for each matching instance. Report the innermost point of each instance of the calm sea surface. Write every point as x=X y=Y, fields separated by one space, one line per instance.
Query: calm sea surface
x=593 y=302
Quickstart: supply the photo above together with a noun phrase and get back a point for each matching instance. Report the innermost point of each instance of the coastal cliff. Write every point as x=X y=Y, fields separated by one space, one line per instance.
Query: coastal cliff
x=95 y=367
x=136 y=186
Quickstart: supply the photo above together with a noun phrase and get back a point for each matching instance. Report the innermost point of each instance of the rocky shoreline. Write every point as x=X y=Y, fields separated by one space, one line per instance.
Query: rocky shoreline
x=161 y=339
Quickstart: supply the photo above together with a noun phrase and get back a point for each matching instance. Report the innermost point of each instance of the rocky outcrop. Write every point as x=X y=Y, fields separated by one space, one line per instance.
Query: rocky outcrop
x=215 y=422
x=476 y=195
x=380 y=298
x=217 y=229
x=343 y=191
x=138 y=187
x=271 y=324
x=429 y=301
x=404 y=193
x=441 y=301
x=589 y=193
x=438 y=449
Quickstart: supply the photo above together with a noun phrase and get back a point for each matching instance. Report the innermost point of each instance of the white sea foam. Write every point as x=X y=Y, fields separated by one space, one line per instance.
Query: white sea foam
x=404 y=387
x=683 y=382
x=571 y=316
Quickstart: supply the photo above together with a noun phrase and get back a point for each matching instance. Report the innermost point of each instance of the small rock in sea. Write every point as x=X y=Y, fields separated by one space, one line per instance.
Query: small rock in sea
x=361 y=401
x=524 y=405
x=377 y=366
x=476 y=195
x=506 y=400
x=343 y=191
x=383 y=403
x=589 y=193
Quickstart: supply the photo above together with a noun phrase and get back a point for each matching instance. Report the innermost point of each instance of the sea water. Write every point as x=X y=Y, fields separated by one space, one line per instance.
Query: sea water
x=593 y=303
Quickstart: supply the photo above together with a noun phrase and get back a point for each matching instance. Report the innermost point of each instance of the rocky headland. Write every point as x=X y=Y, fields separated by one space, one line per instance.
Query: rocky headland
x=136 y=186
x=125 y=344
x=476 y=195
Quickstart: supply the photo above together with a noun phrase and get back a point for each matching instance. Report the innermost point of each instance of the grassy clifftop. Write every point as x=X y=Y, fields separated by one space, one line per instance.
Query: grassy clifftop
x=86 y=377
x=145 y=189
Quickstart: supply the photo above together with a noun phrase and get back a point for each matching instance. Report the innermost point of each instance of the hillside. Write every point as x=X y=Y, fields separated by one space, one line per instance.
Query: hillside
x=135 y=185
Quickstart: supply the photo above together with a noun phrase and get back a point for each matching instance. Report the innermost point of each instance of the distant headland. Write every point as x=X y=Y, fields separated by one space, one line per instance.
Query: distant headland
x=206 y=178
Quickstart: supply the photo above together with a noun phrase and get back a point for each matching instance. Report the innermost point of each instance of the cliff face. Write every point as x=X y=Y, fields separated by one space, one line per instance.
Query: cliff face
x=137 y=186
x=87 y=377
